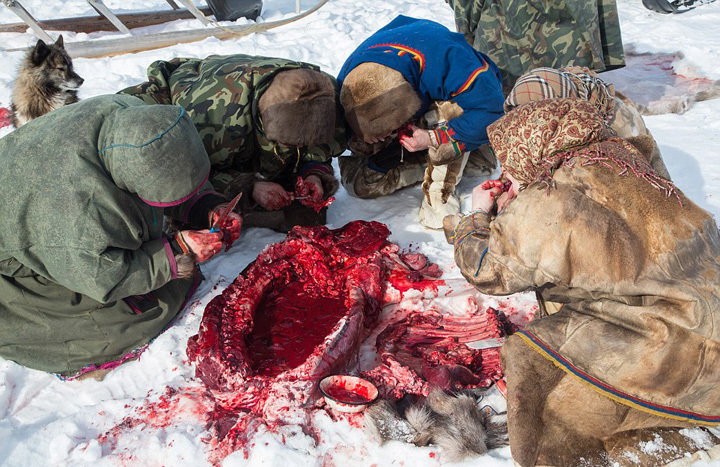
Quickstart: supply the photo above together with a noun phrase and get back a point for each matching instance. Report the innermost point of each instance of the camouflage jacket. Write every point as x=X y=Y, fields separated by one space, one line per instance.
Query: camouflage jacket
x=521 y=35
x=221 y=95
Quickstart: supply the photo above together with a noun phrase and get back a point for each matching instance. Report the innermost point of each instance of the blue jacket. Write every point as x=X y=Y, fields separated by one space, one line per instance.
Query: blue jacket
x=441 y=66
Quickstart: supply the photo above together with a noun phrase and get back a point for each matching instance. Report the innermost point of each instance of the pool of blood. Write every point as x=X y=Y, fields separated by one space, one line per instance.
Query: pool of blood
x=289 y=324
x=358 y=394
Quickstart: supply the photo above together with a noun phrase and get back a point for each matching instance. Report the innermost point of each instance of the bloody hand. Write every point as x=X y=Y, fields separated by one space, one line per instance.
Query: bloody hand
x=202 y=244
x=313 y=186
x=231 y=226
x=271 y=196
x=306 y=192
x=413 y=138
x=503 y=185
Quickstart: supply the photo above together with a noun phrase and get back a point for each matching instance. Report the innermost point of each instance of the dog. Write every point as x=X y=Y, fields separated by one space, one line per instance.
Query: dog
x=45 y=81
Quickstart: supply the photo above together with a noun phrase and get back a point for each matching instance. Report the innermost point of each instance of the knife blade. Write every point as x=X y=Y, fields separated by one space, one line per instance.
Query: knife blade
x=218 y=224
x=486 y=343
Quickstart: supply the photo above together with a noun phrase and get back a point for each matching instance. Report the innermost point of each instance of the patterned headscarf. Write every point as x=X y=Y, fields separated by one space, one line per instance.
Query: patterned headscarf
x=549 y=83
x=536 y=138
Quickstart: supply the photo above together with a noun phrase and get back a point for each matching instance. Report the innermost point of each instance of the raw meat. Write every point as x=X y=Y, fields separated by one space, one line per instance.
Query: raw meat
x=304 y=196
x=296 y=314
x=428 y=349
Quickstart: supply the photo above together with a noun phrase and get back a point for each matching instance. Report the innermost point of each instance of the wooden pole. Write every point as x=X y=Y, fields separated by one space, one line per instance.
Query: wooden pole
x=100 y=7
x=193 y=9
x=23 y=14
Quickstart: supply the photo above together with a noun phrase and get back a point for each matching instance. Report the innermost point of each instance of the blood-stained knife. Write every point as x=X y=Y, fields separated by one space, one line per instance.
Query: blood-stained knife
x=218 y=223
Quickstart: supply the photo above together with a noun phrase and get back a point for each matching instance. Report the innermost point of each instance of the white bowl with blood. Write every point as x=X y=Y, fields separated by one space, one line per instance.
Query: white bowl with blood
x=348 y=393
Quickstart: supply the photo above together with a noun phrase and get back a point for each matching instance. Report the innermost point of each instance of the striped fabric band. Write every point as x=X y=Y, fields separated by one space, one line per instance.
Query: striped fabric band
x=473 y=76
x=605 y=389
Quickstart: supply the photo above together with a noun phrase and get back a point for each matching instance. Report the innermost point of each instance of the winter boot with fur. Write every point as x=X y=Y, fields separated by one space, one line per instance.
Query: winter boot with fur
x=439 y=199
x=384 y=172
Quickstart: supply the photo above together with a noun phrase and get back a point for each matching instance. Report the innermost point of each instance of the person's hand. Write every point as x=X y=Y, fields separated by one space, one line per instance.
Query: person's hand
x=503 y=200
x=314 y=184
x=231 y=226
x=202 y=244
x=271 y=196
x=485 y=194
x=419 y=139
x=376 y=139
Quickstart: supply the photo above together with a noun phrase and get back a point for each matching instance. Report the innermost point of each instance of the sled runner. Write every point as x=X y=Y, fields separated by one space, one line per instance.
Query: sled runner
x=222 y=10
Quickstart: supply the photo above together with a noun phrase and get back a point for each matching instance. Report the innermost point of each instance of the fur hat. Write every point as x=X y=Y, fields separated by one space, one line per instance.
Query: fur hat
x=377 y=100
x=298 y=108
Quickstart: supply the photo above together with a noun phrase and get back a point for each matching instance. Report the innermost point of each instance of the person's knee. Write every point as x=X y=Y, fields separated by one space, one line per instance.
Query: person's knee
x=365 y=182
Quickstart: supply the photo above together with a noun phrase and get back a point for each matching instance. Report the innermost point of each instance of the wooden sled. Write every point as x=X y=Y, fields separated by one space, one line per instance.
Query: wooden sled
x=140 y=42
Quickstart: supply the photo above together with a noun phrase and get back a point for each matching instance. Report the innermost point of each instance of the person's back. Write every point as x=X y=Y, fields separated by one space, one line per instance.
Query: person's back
x=631 y=262
x=264 y=121
x=81 y=230
x=519 y=36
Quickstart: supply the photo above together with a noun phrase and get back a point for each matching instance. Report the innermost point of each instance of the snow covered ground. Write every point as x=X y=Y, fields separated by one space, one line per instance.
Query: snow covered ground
x=46 y=421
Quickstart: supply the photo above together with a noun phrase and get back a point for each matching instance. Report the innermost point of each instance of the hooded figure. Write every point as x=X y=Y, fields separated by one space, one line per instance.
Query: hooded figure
x=408 y=71
x=618 y=111
x=632 y=263
x=264 y=123
x=87 y=277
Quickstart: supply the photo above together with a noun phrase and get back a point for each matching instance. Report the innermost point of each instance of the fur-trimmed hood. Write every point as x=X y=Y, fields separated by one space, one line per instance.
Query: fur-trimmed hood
x=377 y=100
x=298 y=108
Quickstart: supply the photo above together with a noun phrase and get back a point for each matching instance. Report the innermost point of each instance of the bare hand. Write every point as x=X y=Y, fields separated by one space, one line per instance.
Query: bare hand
x=314 y=184
x=375 y=140
x=231 y=226
x=484 y=195
x=202 y=244
x=419 y=140
x=271 y=196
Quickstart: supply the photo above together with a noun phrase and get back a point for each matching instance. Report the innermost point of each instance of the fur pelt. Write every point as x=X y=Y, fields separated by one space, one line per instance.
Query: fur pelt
x=298 y=108
x=377 y=100
x=185 y=266
x=455 y=423
x=45 y=81
x=443 y=154
x=643 y=143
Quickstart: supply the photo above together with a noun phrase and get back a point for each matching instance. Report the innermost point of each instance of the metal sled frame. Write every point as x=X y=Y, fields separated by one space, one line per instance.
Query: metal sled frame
x=138 y=43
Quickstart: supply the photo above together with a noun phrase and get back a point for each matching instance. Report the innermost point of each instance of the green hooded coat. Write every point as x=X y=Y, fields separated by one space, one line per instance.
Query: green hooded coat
x=85 y=273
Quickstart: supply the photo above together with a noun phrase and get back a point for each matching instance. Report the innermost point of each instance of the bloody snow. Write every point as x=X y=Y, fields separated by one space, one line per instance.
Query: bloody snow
x=300 y=312
x=153 y=410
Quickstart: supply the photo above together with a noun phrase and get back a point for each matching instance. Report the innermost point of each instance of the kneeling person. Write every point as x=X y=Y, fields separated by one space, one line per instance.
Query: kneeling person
x=264 y=122
x=391 y=80
x=87 y=276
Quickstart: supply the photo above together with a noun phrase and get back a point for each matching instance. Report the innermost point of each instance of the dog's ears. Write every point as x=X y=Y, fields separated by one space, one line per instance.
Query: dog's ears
x=40 y=52
x=59 y=42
